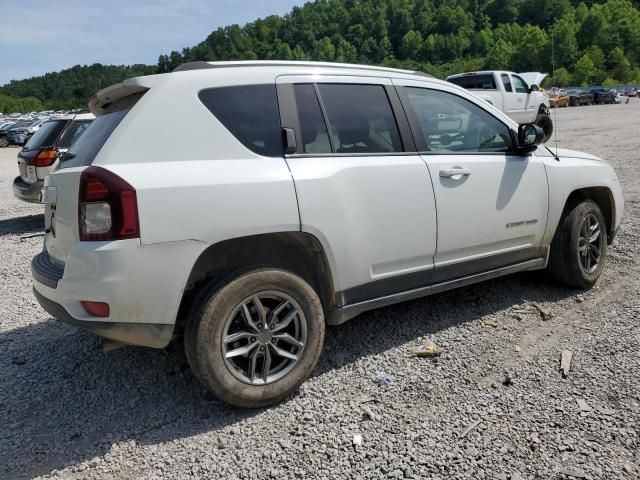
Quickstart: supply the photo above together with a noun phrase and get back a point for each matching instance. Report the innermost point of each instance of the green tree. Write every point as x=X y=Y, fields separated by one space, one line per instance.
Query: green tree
x=585 y=71
x=324 y=50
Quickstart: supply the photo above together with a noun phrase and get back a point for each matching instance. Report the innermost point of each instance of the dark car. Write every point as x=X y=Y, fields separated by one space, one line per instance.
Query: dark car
x=602 y=96
x=8 y=134
x=578 y=98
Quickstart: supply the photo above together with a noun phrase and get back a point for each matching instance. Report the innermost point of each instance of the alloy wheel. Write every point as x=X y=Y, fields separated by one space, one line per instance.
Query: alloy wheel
x=264 y=337
x=590 y=243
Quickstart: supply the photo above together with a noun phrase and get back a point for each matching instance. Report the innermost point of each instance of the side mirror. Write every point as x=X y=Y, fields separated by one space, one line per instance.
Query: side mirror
x=530 y=136
x=534 y=88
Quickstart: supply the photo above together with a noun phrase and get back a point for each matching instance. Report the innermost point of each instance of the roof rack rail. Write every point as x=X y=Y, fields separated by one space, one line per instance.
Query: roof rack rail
x=199 y=65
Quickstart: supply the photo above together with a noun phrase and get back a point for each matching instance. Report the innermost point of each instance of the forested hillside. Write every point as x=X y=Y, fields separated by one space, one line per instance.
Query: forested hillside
x=72 y=87
x=594 y=42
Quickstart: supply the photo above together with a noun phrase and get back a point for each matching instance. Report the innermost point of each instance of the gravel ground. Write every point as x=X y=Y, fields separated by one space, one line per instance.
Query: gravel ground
x=493 y=406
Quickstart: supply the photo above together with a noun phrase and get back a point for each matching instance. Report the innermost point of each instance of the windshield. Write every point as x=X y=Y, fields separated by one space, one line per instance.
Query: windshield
x=46 y=135
x=75 y=129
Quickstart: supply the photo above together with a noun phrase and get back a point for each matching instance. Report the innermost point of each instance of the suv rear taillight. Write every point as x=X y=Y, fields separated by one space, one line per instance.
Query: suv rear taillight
x=107 y=208
x=45 y=158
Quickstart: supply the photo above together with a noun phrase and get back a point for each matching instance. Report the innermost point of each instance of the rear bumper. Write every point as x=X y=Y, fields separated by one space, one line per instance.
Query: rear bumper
x=27 y=192
x=146 y=334
x=143 y=285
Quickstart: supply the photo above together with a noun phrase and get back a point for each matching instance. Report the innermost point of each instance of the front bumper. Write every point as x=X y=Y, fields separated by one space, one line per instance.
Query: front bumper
x=27 y=192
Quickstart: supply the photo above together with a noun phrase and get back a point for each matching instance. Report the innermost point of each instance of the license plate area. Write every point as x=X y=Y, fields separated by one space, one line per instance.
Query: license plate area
x=32 y=176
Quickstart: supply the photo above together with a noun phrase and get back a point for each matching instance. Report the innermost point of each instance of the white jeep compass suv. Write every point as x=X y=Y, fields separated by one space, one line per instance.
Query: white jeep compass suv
x=306 y=194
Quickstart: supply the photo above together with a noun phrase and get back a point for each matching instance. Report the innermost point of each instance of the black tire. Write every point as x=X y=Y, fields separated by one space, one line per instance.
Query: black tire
x=565 y=257
x=213 y=310
x=4 y=142
x=544 y=121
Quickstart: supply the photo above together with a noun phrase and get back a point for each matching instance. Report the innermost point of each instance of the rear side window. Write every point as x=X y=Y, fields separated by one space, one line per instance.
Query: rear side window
x=250 y=113
x=477 y=82
x=360 y=118
x=75 y=129
x=83 y=152
x=313 y=129
x=506 y=82
x=46 y=135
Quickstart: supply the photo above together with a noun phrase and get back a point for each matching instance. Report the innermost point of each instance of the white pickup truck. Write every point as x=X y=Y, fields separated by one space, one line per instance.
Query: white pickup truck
x=516 y=94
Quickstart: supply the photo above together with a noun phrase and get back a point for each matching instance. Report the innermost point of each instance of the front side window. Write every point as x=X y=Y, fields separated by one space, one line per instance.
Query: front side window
x=250 y=113
x=450 y=123
x=506 y=82
x=520 y=84
x=360 y=118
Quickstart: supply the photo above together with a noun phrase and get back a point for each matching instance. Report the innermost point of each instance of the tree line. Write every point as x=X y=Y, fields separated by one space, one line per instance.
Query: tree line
x=585 y=42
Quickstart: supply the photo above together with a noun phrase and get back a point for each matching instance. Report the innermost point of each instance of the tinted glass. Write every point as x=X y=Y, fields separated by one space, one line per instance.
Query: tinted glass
x=313 y=129
x=478 y=82
x=250 y=113
x=92 y=140
x=360 y=118
x=506 y=82
x=46 y=135
x=75 y=129
x=520 y=84
x=452 y=124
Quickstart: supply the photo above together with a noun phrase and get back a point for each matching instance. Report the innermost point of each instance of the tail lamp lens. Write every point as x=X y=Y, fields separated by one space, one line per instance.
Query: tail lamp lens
x=44 y=158
x=108 y=207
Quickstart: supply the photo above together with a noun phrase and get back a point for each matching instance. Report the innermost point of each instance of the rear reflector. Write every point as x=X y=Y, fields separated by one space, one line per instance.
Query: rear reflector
x=96 y=309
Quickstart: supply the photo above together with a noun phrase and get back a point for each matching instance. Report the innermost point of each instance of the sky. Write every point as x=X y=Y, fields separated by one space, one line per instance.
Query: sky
x=40 y=36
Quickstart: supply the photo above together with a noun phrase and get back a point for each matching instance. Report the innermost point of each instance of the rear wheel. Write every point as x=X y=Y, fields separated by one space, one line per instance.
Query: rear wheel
x=579 y=247
x=4 y=142
x=255 y=339
x=544 y=121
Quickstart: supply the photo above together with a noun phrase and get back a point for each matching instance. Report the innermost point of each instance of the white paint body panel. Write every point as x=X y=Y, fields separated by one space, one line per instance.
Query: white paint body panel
x=374 y=215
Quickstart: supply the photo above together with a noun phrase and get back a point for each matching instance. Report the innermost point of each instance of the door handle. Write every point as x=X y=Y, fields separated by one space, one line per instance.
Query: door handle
x=455 y=172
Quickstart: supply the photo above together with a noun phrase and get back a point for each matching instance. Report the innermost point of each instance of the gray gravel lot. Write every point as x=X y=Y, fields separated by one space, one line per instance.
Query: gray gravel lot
x=493 y=406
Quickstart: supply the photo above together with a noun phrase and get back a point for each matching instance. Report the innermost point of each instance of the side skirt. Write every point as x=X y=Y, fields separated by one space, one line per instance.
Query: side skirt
x=342 y=314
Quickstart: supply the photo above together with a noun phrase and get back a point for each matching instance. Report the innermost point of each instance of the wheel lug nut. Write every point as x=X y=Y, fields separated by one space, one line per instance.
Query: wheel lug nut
x=253 y=339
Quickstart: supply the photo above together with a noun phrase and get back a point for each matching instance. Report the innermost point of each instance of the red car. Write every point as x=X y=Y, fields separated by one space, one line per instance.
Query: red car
x=632 y=92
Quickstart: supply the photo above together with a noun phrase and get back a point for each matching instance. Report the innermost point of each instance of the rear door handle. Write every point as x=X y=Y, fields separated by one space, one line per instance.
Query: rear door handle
x=455 y=172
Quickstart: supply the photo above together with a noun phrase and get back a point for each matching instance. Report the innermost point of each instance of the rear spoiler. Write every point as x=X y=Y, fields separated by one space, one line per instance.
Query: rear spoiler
x=100 y=102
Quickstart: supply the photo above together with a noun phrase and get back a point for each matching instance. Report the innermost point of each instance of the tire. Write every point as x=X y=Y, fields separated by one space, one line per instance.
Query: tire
x=219 y=313
x=544 y=121
x=566 y=262
x=4 y=142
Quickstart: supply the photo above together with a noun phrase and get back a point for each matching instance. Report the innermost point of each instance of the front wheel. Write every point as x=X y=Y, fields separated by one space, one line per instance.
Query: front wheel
x=4 y=142
x=544 y=121
x=579 y=247
x=254 y=340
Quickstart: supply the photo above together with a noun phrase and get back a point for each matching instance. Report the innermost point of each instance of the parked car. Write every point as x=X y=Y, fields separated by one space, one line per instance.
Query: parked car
x=632 y=92
x=621 y=98
x=19 y=134
x=307 y=194
x=602 y=96
x=39 y=156
x=558 y=98
x=4 y=139
x=578 y=98
x=10 y=134
x=517 y=95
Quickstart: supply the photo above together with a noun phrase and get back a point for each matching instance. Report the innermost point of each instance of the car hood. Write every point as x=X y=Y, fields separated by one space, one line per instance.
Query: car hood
x=533 y=78
x=551 y=151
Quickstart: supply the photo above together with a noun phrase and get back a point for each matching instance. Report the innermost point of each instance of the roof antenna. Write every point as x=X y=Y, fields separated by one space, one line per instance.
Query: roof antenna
x=555 y=110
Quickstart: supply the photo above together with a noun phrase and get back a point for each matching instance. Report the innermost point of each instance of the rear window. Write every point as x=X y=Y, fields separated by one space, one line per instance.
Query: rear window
x=84 y=151
x=46 y=135
x=250 y=113
x=477 y=82
x=75 y=129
